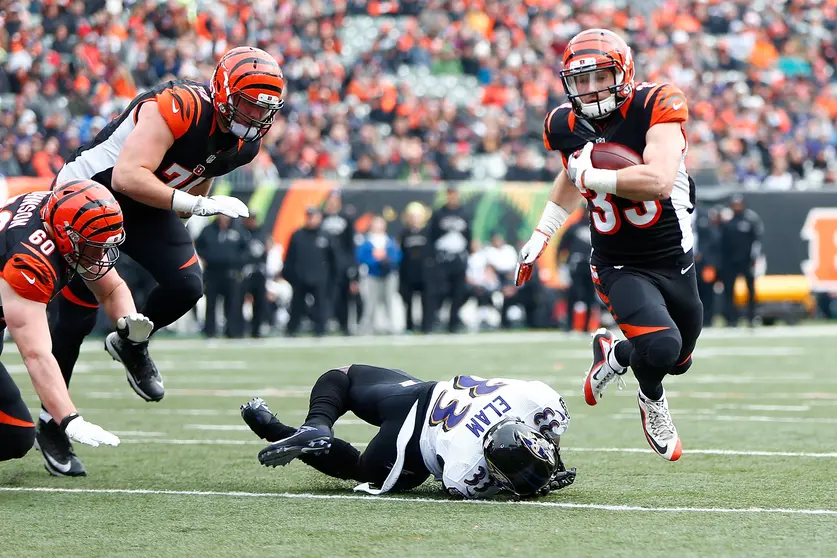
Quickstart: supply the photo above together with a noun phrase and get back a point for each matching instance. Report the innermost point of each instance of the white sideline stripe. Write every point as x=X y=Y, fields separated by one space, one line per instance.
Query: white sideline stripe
x=753 y=453
x=307 y=496
x=213 y=442
x=738 y=418
x=245 y=428
x=775 y=332
x=777 y=408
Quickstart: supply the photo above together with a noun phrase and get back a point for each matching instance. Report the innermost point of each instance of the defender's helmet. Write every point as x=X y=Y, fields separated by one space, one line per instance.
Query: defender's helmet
x=520 y=459
x=85 y=222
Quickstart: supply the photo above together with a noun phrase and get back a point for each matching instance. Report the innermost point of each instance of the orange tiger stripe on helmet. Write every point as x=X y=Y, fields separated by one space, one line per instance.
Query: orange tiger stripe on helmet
x=595 y=49
x=83 y=213
x=250 y=75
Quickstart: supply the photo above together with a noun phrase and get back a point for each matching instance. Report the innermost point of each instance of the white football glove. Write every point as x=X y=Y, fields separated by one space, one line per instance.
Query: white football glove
x=83 y=432
x=134 y=327
x=225 y=205
x=530 y=252
x=579 y=162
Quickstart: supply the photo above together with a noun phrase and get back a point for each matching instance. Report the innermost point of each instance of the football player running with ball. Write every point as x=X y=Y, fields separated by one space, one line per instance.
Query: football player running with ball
x=46 y=238
x=642 y=263
x=479 y=437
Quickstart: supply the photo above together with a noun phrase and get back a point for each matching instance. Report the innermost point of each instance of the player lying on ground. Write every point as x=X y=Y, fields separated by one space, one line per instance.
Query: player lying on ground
x=642 y=263
x=47 y=238
x=477 y=436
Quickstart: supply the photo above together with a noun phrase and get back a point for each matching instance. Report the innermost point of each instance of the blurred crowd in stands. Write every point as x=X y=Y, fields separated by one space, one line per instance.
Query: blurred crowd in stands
x=427 y=90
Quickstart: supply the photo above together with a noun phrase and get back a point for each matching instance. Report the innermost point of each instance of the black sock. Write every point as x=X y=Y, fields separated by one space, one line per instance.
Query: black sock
x=340 y=462
x=329 y=399
x=650 y=379
x=622 y=352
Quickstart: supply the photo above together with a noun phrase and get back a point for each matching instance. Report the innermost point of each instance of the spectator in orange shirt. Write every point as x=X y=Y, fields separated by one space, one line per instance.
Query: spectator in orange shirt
x=48 y=162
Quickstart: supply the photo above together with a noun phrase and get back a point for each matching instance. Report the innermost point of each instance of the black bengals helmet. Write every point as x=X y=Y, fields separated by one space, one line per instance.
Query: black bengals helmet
x=520 y=459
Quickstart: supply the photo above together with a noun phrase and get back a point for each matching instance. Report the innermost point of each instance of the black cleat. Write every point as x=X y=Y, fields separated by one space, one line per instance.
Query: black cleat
x=139 y=368
x=260 y=419
x=308 y=440
x=59 y=458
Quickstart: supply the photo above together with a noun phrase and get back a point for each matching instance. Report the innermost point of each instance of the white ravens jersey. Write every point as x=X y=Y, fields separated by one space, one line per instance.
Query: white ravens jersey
x=462 y=411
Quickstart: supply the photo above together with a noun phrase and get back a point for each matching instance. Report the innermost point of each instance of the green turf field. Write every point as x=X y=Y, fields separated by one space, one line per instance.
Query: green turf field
x=758 y=475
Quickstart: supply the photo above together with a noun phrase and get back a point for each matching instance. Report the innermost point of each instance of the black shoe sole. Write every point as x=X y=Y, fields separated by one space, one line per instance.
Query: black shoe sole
x=281 y=456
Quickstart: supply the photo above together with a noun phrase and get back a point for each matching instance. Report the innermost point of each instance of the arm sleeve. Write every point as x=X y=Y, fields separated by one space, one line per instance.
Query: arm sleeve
x=30 y=276
x=180 y=107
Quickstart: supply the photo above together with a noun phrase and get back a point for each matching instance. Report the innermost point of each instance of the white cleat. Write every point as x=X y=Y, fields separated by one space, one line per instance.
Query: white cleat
x=658 y=427
x=601 y=373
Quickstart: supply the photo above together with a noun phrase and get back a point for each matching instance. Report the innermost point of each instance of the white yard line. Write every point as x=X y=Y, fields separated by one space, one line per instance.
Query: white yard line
x=777 y=332
x=245 y=428
x=733 y=453
x=737 y=418
x=357 y=498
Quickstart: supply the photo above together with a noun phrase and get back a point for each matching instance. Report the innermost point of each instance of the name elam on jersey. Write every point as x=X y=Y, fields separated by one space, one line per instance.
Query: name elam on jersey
x=464 y=409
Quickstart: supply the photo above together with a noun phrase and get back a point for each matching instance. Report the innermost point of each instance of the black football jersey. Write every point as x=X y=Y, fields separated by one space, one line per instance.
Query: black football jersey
x=29 y=259
x=623 y=231
x=200 y=150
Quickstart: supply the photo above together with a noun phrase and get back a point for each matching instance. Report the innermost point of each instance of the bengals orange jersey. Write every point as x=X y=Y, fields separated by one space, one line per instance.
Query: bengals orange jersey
x=200 y=150
x=31 y=263
x=627 y=232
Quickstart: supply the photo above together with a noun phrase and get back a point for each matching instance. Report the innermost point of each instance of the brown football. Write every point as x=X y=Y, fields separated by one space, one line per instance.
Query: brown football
x=614 y=156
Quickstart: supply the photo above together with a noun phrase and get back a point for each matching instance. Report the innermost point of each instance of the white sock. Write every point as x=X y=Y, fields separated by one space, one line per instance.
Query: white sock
x=46 y=417
x=611 y=358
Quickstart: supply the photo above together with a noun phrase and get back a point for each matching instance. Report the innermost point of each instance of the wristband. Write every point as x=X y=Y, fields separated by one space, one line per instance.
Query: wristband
x=553 y=217
x=600 y=180
x=68 y=419
x=183 y=202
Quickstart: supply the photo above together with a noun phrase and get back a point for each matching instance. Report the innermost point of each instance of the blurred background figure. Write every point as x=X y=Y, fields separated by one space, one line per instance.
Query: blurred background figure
x=378 y=256
x=449 y=236
x=740 y=240
x=482 y=284
x=223 y=249
x=254 y=284
x=310 y=261
x=707 y=258
x=574 y=256
x=343 y=286
x=411 y=270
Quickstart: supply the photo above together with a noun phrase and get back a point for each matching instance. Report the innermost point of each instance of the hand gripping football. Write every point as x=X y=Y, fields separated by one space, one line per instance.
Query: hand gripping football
x=614 y=156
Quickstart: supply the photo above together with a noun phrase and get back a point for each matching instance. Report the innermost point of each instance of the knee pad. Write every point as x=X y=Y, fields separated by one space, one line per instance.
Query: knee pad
x=659 y=350
x=188 y=287
x=682 y=367
x=16 y=442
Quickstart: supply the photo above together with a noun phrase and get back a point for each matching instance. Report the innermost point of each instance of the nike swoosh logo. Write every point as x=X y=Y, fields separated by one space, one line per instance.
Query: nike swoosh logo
x=657 y=447
x=174 y=108
x=63 y=467
x=685 y=269
x=676 y=106
x=30 y=279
